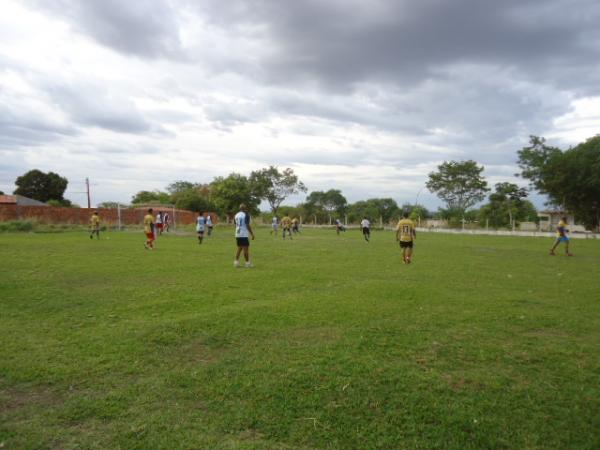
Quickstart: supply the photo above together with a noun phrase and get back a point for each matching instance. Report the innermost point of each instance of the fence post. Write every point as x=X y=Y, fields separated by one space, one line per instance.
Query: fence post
x=119 y=214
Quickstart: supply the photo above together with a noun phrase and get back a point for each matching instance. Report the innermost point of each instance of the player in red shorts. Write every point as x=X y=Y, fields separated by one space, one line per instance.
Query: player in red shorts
x=149 y=230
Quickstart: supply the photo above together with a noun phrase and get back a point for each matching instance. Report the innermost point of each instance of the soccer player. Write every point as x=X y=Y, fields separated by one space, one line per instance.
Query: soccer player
x=149 y=230
x=286 y=226
x=274 y=225
x=295 y=225
x=561 y=236
x=95 y=225
x=159 y=223
x=167 y=222
x=338 y=226
x=209 y=224
x=406 y=234
x=200 y=224
x=243 y=229
x=366 y=228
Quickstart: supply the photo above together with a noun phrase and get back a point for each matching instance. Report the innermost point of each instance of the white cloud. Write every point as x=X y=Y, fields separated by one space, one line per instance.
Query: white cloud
x=367 y=99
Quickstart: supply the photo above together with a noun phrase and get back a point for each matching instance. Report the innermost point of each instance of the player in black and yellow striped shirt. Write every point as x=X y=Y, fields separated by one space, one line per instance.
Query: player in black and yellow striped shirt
x=406 y=234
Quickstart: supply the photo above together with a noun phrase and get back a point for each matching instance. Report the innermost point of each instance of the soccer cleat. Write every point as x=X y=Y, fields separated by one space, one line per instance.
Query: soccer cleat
x=552 y=253
x=236 y=264
x=249 y=265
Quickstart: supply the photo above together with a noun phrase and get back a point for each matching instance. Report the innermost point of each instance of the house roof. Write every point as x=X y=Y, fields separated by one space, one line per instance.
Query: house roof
x=19 y=200
x=8 y=200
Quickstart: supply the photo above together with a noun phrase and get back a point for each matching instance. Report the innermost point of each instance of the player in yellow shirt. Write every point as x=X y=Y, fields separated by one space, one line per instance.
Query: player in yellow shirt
x=406 y=234
x=286 y=225
x=149 y=230
x=95 y=225
x=296 y=225
x=561 y=236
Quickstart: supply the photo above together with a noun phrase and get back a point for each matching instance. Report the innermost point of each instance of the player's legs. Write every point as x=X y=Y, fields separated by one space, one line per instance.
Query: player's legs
x=200 y=237
x=554 y=246
x=149 y=241
x=236 y=263
x=567 y=248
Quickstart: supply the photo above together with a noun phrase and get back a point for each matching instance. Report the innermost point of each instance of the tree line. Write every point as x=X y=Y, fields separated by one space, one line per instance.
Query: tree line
x=569 y=178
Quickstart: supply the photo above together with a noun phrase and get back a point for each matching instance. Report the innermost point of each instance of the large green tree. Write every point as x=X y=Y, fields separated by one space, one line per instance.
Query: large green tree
x=507 y=204
x=330 y=202
x=459 y=184
x=570 y=179
x=274 y=186
x=373 y=208
x=41 y=186
x=190 y=196
x=155 y=196
x=229 y=192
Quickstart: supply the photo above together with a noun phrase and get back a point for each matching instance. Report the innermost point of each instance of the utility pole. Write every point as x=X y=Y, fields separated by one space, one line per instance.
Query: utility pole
x=87 y=188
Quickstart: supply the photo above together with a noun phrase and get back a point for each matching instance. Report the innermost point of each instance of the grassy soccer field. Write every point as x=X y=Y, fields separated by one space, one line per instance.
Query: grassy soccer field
x=328 y=342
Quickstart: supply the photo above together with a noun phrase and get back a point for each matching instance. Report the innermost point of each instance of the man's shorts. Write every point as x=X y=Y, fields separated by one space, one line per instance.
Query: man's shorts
x=149 y=235
x=562 y=239
x=406 y=244
x=200 y=231
x=366 y=230
x=159 y=226
x=243 y=242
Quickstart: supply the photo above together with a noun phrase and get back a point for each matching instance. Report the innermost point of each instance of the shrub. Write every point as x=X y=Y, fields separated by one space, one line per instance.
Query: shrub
x=17 y=225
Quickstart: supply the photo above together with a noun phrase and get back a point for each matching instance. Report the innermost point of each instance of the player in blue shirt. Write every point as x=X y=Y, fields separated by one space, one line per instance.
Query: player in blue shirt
x=200 y=225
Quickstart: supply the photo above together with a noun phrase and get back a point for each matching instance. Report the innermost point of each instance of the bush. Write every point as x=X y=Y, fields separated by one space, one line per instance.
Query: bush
x=17 y=225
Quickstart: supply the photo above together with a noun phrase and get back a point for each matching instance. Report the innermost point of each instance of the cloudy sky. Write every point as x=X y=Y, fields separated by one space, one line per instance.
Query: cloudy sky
x=367 y=96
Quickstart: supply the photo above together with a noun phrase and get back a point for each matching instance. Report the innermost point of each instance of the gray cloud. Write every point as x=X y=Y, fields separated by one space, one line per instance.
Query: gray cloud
x=341 y=43
x=95 y=105
x=399 y=85
x=148 y=29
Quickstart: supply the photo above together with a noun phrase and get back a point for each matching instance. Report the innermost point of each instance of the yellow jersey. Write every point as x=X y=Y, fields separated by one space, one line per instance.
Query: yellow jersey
x=407 y=230
x=148 y=223
x=286 y=222
x=561 y=229
x=94 y=221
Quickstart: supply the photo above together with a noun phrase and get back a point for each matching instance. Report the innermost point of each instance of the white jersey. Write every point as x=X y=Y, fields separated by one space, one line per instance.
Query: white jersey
x=158 y=218
x=365 y=223
x=208 y=221
x=200 y=222
x=242 y=220
x=275 y=222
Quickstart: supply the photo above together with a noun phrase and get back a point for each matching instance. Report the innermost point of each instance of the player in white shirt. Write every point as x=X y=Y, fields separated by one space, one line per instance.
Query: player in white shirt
x=274 y=225
x=209 y=224
x=159 y=224
x=243 y=230
x=200 y=225
x=339 y=226
x=366 y=228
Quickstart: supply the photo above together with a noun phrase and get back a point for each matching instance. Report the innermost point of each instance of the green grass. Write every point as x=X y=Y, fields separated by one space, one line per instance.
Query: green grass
x=329 y=342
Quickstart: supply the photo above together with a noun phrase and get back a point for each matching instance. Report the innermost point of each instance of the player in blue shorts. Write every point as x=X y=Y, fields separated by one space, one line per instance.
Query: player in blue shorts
x=561 y=236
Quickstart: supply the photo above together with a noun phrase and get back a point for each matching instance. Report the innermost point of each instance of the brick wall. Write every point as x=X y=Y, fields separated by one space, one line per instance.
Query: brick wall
x=81 y=216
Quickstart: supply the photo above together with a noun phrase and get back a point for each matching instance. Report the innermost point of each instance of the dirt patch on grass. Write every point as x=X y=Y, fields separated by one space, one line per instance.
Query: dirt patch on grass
x=305 y=336
x=12 y=399
x=546 y=333
x=197 y=352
